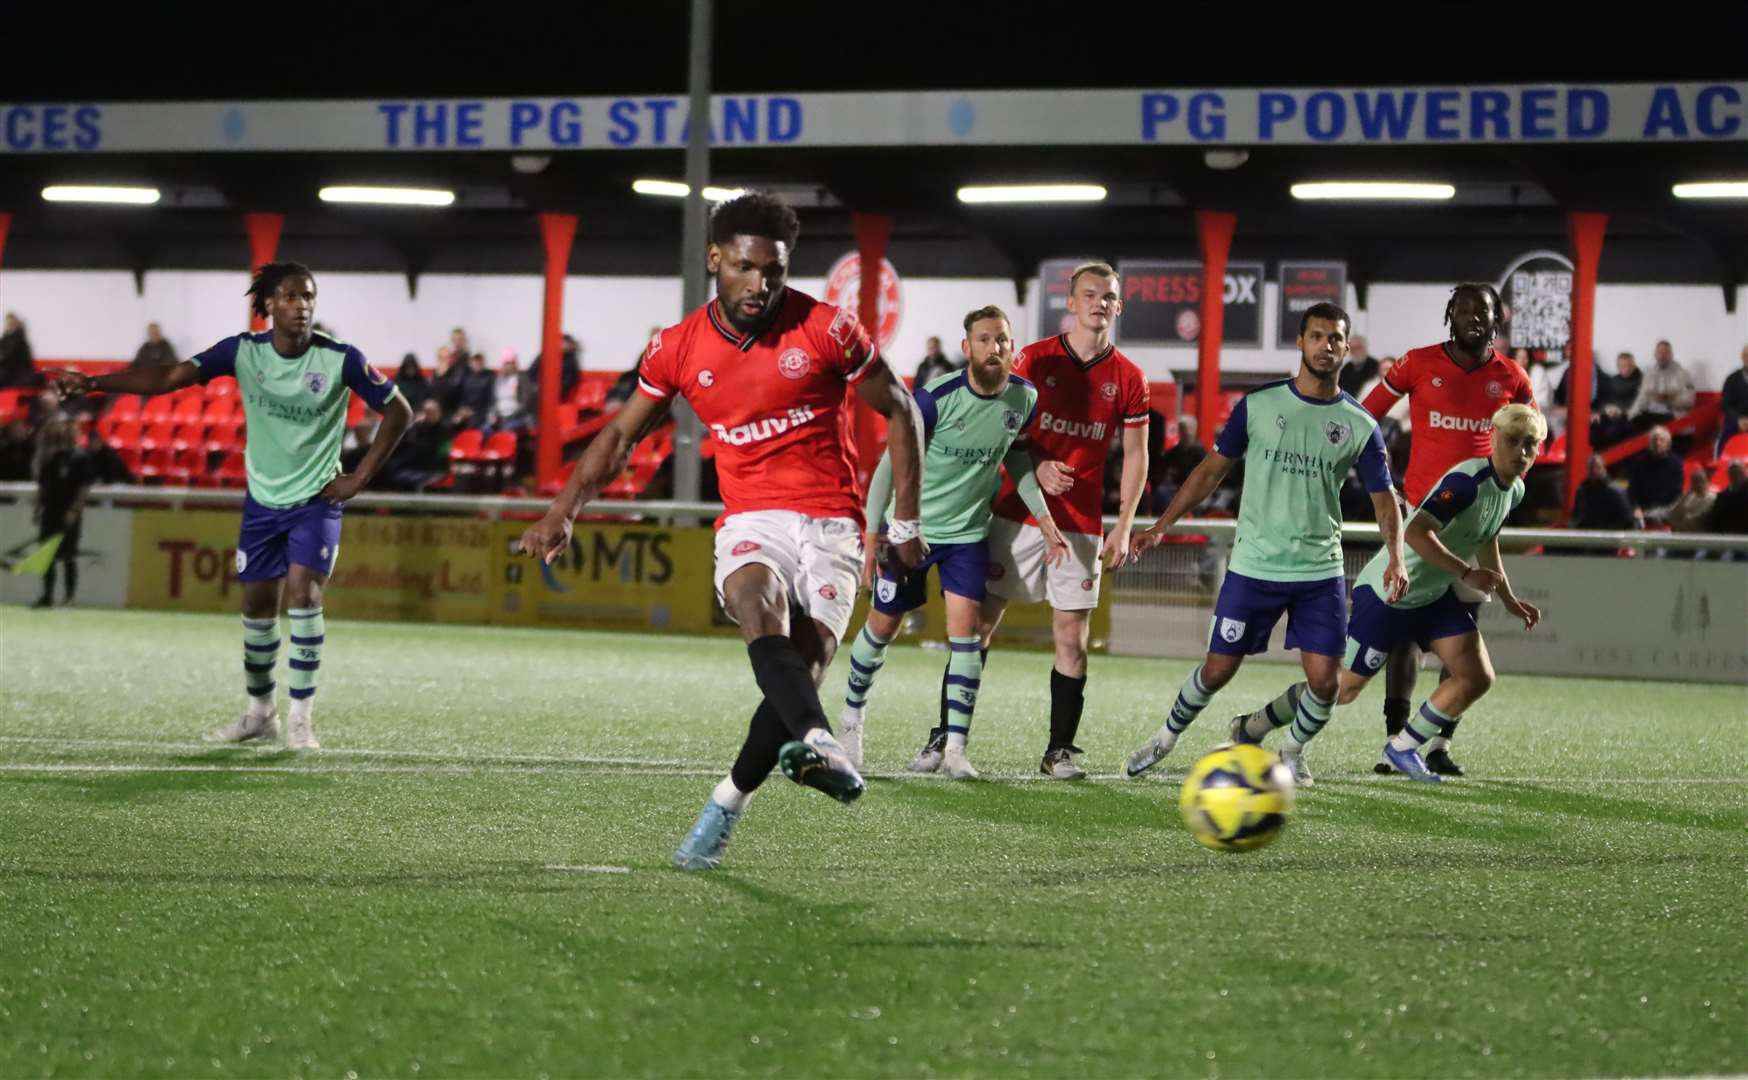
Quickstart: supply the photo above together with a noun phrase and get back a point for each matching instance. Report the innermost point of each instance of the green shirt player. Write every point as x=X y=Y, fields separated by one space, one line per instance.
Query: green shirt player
x=974 y=421
x=294 y=385
x=1453 y=537
x=1298 y=437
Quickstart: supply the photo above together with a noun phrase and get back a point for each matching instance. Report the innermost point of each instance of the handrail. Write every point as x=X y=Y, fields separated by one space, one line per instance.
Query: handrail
x=495 y=506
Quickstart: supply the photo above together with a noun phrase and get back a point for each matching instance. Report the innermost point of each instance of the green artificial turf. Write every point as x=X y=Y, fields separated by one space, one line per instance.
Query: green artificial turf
x=471 y=878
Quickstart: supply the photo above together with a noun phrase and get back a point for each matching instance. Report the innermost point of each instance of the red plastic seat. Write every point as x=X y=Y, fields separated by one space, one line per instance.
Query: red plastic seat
x=188 y=405
x=466 y=446
x=189 y=433
x=1735 y=448
x=125 y=435
x=590 y=395
x=219 y=389
x=156 y=464
x=354 y=410
x=500 y=447
x=156 y=409
x=231 y=471
x=159 y=434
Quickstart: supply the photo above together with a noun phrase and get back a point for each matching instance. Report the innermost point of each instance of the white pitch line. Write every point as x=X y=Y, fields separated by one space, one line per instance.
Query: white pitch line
x=590 y=869
x=429 y=755
x=1379 y=785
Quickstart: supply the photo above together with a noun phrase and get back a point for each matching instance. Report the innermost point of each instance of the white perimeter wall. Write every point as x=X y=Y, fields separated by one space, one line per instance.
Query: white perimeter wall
x=93 y=315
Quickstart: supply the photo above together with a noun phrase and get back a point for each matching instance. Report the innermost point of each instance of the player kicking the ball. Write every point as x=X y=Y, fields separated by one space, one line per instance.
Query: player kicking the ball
x=973 y=421
x=1453 y=537
x=765 y=369
x=1299 y=437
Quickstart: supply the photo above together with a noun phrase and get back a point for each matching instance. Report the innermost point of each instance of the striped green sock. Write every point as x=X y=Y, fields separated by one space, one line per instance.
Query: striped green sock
x=1312 y=713
x=867 y=657
x=260 y=653
x=1192 y=698
x=1423 y=725
x=307 y=629
x=964 y=677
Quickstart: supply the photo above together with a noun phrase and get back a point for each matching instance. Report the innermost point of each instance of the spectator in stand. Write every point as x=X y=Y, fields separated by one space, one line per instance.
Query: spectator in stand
x=1562 y=400
x=1361 y=367
x=935 y=364
x=512 y=402
x=570 y=370
x=1695 y=505
x=458 y=343
x=1734 y=403
x=421 y=457
x=478 y=391
x=1654 y=483
x=357 y=441
x=1175 y=464
x=1601 y=505
x=1608 y=421
x=1667 y=391
x=17 y=364
x=626 y=384
x=414 y=386
x=155 y=351
x=17 y=450
x=1730 y=510
x=446 y=381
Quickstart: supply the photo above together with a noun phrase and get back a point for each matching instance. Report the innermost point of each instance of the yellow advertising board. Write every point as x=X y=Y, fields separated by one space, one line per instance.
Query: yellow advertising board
x=613 y=576
x=408 y=568
x=457 y=570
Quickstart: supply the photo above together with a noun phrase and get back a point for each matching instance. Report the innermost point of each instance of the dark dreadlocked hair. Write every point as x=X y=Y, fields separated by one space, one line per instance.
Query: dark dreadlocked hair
x=267 y=280
x=1481 y=289
x=757 y=213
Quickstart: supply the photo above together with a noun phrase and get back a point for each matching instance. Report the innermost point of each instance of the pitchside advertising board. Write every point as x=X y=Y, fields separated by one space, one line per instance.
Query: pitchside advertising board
x=1426 y=115
x=1162 y=303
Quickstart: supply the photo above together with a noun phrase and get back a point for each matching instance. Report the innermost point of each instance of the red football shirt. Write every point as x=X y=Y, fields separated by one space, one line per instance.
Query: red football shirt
x=773 y=402
x=1081 y=405
x=1451 y=409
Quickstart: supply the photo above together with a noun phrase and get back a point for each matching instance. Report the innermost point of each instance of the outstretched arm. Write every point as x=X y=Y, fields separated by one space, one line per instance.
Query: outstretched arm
x=601 y=462
x=148 y=382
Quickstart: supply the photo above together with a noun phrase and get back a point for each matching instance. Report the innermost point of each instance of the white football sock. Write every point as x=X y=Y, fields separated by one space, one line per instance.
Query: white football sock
x=730 y=797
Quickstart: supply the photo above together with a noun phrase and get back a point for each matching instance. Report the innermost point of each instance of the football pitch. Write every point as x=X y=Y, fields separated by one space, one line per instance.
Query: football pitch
x=471 y=878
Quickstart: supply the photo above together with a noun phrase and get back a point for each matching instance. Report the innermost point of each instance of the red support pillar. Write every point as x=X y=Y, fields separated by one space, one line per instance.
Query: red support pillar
x=868 y=430
x=264 y=230
x=557 y=231
x=5 y=227
x=1214 y=228
x=1587 y=232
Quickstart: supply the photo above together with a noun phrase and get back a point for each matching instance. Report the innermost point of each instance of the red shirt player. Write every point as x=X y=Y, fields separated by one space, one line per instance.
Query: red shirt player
x=1087 y=393
x=766 y=368
x=1453 y=391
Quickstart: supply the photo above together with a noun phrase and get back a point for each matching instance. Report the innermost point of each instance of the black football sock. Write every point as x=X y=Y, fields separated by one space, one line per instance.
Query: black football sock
x=787 y=684
x=1067 y=698
x=758 y=754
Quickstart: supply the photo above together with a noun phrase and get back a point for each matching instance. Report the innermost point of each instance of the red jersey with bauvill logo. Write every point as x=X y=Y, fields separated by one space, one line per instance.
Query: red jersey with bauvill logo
x=773 y=401
x=1451 y=409
x=1082 y=404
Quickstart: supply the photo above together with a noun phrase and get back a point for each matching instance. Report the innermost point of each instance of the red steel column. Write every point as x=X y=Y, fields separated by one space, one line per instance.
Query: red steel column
x=1587 y=233
x=868 y=432
x=557 y=231
x=264 y=230
x=1214 y=228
